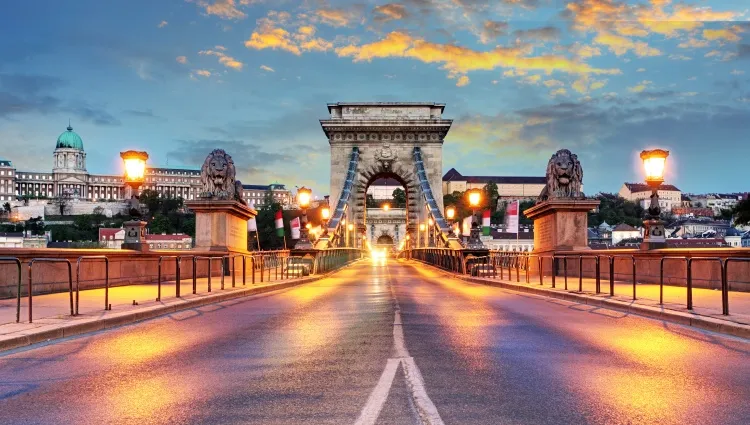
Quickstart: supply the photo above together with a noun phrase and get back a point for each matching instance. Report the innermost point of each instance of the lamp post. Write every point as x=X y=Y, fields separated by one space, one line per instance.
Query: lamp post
x=304 y=195
x=325 y=214
x=475 y=197
x=654 y=162
x=349 y=229
x=430 y=232
x=135 y=171
x=420 y=237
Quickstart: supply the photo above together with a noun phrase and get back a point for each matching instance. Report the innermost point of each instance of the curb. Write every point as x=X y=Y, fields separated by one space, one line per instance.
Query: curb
x=659 y=313
x=147 y=313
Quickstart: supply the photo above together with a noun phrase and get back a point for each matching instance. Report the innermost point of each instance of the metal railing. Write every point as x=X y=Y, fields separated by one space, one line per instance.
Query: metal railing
x=178 y=262
x=31 y=281
x=210 y=260
x=17 y=262
x=107 y=305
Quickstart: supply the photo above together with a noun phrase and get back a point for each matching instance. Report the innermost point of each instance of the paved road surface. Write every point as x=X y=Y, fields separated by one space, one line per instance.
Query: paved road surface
x=376 y=344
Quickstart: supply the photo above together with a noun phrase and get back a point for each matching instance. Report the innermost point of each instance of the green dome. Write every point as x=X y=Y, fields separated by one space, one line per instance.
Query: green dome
x=69 y=139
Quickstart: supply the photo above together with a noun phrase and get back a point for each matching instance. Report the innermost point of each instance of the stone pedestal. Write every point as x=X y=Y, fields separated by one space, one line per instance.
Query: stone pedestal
x=654 y=236
x=135 y=235
x=561 y=224
x=221 y=225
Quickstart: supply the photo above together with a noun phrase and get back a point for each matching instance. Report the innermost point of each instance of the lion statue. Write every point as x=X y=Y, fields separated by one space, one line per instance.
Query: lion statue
x=564 y=177
x=217 y=176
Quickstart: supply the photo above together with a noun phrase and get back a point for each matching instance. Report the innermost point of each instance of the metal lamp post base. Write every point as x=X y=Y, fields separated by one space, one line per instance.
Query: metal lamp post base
x=654 y=235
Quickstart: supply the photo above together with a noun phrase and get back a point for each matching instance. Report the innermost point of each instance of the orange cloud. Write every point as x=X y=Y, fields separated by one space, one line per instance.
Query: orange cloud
x=181 y=59
x=336 y=17
x=458 y=60
x=720 y=34
x=462 y=81
x=225 y=9
x=643 y=85
x=272 y=38
x=224 y=59
x=203 y=73
x=622 y=45
x=267 y=68
x=270 y=35
x=390 y=12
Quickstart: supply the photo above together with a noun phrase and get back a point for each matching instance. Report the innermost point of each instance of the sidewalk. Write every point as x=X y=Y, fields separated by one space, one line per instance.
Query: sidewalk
x=52 y=317
x=706 y=313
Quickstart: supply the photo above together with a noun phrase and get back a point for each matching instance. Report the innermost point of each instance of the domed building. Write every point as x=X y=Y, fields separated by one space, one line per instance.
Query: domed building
x=69 y=179
x=69 y=167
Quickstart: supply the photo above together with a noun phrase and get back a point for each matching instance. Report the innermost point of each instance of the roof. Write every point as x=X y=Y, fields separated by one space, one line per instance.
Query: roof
x=108 y=231
x=642 y=187
x=452 y=175
x=157 y=237
x=684 y=197
x=622 y=227
x=5 y=163
x=734 y=232
x=69 y=140
x=12 y=234
x=256 y=187
x=441 y=105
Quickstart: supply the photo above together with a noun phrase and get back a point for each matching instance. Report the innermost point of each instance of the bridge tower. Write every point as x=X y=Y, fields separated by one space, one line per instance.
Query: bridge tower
x=399 y=140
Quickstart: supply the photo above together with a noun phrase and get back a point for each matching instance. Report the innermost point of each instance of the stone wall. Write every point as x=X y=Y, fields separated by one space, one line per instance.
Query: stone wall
x=125 y=267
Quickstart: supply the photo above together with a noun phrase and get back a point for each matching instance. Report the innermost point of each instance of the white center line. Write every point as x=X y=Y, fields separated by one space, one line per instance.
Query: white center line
x=428 y=413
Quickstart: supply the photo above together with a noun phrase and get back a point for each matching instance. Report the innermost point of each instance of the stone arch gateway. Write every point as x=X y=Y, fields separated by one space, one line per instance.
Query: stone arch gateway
x=403 y=140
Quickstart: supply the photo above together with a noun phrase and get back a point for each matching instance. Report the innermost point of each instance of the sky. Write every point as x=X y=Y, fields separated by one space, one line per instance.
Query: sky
x=520 y=78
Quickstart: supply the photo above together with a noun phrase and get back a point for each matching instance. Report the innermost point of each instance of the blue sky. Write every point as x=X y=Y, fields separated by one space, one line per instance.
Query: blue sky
x=521 y=79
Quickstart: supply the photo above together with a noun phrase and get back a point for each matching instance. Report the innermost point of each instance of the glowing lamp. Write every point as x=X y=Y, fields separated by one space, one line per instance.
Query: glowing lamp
x=135 y=167
x=422 y=227
x=303 y=197
x=386 y=207
x=475 y=196
x=350 y=227
x=450 y=213
x=325 y=213
x=430 y=222
x=308 y=226
x=654 y=162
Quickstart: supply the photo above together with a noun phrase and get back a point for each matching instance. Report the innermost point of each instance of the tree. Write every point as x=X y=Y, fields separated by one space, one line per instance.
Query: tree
x=491 y=195
x=98 y=217
x=742 y=212
x=160 y=224
x=7 y=208
x=371 y=202
x=399 y=198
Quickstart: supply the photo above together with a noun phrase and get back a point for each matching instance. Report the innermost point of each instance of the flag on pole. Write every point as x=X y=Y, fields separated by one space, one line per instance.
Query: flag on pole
x=486 y=223
x=279 y=220
x=252 y=225
x=466 y=227
x=511 y=217
x=295 y=225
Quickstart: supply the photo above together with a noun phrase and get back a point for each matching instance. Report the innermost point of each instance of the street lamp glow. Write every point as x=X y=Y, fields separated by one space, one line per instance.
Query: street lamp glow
x=303 y=197
x=450 y=213
x=350 y=227
x=308 y=226
x=430 y=222
x=422 y=227
x=475 y=195
x=386 y=207
x=654 y=162
x=135 y=167
x=325 y=213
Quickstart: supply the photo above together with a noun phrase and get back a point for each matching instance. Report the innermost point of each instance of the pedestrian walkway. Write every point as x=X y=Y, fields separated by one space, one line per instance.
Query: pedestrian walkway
x=706 y=302
x=52 y=318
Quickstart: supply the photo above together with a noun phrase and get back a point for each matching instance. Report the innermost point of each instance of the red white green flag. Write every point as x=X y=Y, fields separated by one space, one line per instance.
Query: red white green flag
x=486 y=223
x=279 y=224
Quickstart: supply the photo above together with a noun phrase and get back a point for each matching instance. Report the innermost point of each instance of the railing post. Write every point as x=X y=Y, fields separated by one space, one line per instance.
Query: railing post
x=634 y=279
x=580 y=273
x=725 y=288
x=554 y=270
x=598 y=276
x=565 y=272
x=244 y=269
x=177 y=262
x=661 y=281
x=158 y=281
x=690 y=284
x=611 y=276
x=209 y=274
x=195 y=279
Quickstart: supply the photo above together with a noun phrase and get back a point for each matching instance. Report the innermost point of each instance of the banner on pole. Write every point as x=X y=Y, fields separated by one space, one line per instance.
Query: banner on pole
x=466 y=227
x=295 y=225
x=511 y=217
x=486 y=223
x=279 y=221
x=252 y=224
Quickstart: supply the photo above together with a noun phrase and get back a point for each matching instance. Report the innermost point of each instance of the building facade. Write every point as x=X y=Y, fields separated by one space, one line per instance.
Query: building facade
x=509 y=188
x=70 y=178
x=669 y=195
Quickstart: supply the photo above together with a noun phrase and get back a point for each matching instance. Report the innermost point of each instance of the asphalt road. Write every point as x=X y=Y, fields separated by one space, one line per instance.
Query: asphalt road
x=377 y=344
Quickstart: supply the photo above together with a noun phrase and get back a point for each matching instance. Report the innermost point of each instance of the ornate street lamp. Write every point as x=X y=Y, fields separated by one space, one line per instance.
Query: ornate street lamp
x=450 y=212
x=135 y=171
x=654 y=162
x=304 y=195
x=349 y=230
x=325 y=214
x=386 y=207
x=475 y=197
